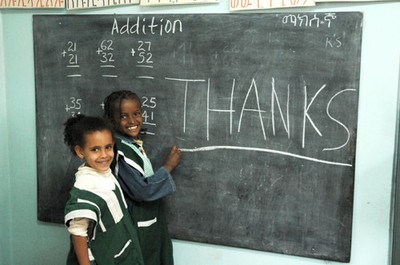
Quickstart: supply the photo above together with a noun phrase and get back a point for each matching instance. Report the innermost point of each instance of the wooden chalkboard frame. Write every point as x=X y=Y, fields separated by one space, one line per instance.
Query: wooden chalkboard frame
x=247 y=178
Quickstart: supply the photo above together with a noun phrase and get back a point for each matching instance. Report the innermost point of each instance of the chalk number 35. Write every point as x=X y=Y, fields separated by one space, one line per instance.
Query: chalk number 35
x=73 y=105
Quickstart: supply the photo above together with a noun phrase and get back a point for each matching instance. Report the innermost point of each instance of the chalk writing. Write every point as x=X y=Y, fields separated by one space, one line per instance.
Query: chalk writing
x=266 y=150
x=182 y=53
x=144 y=52
x=70 y=56
x=73 y=106
x=149 y=105
x=144 y=59
x=158 y=26
x=105 y=52
x=333 y=41
x=277 y=112
x=186 y=81
x=337 y=121
x=306 y=20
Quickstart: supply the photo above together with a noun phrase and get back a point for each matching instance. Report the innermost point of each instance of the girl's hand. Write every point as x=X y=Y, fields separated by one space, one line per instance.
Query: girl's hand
x=173 y=158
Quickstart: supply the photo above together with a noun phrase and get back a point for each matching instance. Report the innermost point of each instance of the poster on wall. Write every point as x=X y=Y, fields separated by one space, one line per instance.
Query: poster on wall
x=175 y=2
x=83 y=4
x=27 y=4
x=241 y=5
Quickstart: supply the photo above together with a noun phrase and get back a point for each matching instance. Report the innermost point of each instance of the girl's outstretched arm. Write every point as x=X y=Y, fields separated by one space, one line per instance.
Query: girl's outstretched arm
x=140 y=188
x=154 y=187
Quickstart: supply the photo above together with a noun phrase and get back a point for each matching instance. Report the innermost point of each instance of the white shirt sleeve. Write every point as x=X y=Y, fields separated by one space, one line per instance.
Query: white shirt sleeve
x=78 y=227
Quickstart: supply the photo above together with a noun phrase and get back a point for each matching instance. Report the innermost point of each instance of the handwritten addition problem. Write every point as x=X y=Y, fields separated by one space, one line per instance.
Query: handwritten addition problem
x=145 y=57
x=141 y=52
x=73 y=106
x=142 y=49
x=70 y=57
x=105 y=51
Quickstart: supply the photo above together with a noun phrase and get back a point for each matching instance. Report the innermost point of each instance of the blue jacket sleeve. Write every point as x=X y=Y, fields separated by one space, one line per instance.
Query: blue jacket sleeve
x=137 y=187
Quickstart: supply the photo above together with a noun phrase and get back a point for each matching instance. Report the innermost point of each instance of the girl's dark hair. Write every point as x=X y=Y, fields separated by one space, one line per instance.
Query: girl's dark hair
x=76 y=128
x=112 y=105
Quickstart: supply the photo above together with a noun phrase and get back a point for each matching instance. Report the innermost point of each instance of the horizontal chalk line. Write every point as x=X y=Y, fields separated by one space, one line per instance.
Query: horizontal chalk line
x=265 y=150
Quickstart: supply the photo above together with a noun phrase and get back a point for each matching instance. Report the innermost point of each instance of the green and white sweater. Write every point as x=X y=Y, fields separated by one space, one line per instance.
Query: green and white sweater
x=112 y=237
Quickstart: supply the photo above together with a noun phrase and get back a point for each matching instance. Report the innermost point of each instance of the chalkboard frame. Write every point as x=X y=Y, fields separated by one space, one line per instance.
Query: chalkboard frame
x=395 y=208
x=342 y=253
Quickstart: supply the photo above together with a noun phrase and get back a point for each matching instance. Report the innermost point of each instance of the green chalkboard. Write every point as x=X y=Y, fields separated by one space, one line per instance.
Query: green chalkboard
x=264 y=107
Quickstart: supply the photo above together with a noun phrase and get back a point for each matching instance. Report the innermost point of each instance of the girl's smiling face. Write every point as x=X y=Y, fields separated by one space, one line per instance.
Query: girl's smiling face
x=131 y=119
x=98 y=151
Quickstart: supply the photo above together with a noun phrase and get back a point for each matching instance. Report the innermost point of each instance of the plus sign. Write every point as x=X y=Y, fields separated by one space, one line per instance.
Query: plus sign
x=63 y=53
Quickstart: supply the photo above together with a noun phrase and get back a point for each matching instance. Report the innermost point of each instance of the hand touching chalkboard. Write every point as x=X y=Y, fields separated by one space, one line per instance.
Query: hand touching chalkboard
x=137 y=178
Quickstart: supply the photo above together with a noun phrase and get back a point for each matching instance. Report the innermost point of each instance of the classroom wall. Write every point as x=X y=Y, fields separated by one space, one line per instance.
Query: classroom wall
x=4 y=172
x=31 y=242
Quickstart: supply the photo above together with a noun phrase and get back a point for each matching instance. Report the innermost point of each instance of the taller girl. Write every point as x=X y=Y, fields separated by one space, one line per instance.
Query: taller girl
x=143 y=188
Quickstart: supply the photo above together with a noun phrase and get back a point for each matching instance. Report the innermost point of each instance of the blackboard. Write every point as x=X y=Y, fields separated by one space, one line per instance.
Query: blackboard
x=264 y=107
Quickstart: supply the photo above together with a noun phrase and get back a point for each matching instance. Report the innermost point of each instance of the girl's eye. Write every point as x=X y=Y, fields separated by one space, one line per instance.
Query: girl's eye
x=123 y=117
x=95 y=149
x=110 y=147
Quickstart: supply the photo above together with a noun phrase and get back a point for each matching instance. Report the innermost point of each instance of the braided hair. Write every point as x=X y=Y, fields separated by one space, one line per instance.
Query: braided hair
x=112 y=105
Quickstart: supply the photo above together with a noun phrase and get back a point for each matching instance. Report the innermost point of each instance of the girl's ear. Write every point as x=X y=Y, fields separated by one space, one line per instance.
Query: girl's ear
x=79 y=151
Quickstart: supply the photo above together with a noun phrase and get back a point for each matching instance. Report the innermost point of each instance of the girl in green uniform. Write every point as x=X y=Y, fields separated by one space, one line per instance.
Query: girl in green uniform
x=96 y=215
x=143 y=188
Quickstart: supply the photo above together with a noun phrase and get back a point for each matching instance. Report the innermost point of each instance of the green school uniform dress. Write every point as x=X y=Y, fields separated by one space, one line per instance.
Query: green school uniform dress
x=113 y=238
x=149 y=216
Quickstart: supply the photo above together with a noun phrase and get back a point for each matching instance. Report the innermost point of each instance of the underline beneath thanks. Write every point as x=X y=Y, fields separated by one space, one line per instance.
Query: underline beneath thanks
x=265 y=150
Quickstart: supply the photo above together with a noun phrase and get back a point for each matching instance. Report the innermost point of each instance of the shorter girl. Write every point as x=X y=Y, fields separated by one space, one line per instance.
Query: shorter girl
x=101 y=229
